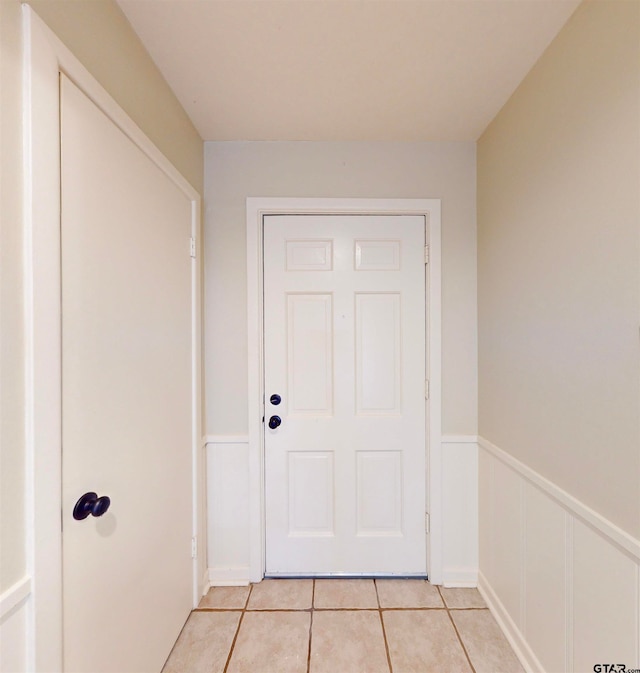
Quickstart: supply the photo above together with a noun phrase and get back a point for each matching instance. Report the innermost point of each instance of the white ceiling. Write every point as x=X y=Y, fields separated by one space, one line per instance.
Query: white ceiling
x=345 y=69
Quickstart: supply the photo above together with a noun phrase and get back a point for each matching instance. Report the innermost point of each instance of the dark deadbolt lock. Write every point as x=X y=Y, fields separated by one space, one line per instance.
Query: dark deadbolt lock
x=275 y=400
x=91 y=504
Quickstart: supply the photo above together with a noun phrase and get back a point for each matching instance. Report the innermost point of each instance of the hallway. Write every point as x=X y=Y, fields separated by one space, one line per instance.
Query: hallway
x=341 y=626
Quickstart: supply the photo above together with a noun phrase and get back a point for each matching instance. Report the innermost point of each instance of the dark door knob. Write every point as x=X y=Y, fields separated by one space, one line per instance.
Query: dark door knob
x=275 y=400
x=91 y=504
x=274 y=422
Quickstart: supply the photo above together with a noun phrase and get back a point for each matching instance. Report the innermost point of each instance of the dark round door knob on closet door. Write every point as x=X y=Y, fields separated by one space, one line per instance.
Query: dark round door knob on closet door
x=91 y=504
x=274 y=422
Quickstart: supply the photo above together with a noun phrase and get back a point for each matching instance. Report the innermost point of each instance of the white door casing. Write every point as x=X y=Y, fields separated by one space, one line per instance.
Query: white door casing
x=126 y=402
x=45 y=58
x=257 y=210
x=345 y=349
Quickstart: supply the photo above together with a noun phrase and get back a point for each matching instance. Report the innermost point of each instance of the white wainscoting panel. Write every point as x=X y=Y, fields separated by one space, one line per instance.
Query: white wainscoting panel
x=562 y=581
x=228 y=510
x=485 y=495
x=460 y=510
x=507 y=546
x=545 y=600
x=605 y=602
x=14 y=606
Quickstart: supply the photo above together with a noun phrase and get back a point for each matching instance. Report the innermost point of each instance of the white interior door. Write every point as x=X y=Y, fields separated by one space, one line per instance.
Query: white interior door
x=344 y=334
x=126 y=326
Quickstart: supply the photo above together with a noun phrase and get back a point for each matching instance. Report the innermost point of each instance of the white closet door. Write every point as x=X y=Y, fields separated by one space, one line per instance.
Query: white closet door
x=126 y=307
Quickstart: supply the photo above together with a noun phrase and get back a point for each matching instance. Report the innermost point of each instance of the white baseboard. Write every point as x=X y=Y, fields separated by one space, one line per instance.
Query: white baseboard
x=517 y=641
x=460 y=577
x=205 y=584
x=229 y=577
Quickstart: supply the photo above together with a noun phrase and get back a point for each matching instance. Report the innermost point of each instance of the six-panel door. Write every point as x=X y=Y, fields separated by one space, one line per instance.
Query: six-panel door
x=345 y=349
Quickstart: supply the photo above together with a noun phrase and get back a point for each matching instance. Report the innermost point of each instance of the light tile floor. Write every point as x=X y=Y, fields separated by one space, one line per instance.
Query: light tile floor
x=342 y=626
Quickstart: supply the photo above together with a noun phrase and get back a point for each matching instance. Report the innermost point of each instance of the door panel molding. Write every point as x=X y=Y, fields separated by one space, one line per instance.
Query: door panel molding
x=45 y=57
x=257 y=209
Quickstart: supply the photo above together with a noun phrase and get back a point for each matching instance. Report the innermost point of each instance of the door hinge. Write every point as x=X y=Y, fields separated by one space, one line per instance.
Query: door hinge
x=427 y=523
x=426 y=254
x=426 y=389
x=192 y=247
x=194 y=547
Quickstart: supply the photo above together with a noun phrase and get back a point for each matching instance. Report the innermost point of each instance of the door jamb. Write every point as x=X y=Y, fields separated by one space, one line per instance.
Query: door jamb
x=257 y=208
x=45 y=57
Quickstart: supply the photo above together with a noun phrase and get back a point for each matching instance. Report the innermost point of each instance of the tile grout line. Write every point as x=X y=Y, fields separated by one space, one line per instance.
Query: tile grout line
x=245 y=609
x=177 y=639
x=384 y=632
x=455 y=628
x=235 y=638
x=313 y=598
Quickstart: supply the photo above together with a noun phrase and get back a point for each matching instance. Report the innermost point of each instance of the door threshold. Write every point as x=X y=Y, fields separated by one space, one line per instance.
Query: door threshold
x=343 y=576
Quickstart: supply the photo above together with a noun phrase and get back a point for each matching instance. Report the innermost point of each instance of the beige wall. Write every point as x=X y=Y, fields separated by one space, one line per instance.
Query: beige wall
x=236 y=170
x=97 y=32
x=558 y=253
x=12 y=468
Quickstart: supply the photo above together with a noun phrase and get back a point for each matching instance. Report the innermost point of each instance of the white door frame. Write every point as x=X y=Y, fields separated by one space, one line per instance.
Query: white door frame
x=257 y=208
x=45 y=57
